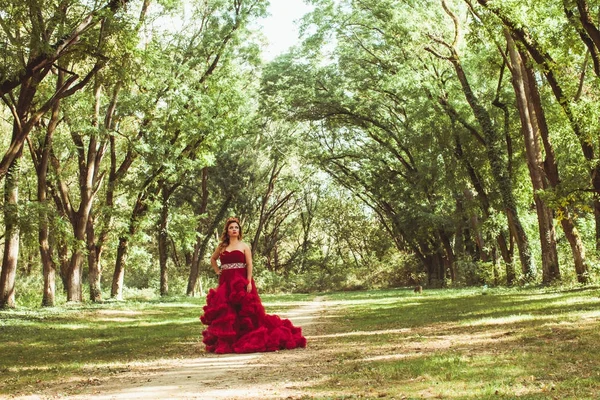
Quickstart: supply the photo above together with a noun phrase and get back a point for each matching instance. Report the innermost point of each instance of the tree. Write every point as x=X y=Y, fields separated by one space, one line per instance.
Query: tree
x=494 y=150
x=36 y=61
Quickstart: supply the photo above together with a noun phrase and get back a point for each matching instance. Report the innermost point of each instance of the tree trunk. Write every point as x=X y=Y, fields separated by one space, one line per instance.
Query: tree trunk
x=42 y=163
x=530 y=130
x=483 y=255
x=461 y=230
x=48 y=266
x=550 y=168
x=10 y=167
x=63 y=257
x=139 y=210
x=477 y=183
x=499 y=171
x=120 y=262
x=89 y=179
x=75 y=272
x=194 y=270
x=199 y=249
x=11 y=241
x=449 y=259
x=194 y=263
x=162 y=242
x=306 y=217
x=549 y=67
x=265 y=199
x=581 y=268
x=495 y=266
x=95 y=244
x=597 y=221
x=436 y=275
x=94 y=266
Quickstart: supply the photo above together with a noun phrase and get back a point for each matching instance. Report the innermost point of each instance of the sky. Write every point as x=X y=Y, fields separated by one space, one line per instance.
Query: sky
x=281 y=27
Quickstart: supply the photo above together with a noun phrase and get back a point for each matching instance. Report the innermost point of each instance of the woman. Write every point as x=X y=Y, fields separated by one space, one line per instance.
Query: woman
x=236 y=318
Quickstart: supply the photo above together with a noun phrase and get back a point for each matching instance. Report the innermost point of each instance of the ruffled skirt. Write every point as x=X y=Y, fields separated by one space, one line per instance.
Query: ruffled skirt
x=237 y=322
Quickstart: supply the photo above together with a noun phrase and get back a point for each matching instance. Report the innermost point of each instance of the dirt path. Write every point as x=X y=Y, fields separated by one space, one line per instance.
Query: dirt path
x=243 y=376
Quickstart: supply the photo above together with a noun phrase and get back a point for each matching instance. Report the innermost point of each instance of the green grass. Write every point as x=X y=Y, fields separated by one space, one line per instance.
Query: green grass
x=40 y=346
x=462 y=344
x=534 y=343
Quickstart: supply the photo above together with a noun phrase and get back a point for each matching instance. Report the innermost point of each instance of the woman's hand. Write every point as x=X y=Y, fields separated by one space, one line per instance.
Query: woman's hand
x=249 y=287
x=218 y=272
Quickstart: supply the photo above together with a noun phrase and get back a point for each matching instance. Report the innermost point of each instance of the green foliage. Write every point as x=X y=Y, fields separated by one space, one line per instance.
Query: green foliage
x=354 y=159
x=386 y=118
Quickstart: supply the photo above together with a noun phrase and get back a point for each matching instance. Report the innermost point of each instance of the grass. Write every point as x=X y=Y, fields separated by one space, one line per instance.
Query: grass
x=534 y=343
x=461 y=344
x=71 y=342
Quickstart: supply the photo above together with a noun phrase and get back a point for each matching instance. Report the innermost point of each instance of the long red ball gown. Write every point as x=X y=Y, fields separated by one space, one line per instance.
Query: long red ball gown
x=236 y=319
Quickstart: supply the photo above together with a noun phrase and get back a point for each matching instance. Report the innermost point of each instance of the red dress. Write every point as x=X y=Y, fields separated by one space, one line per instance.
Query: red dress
x=236 y=319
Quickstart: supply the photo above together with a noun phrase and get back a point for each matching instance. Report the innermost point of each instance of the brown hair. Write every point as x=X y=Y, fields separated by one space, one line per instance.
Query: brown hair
x=224 y=240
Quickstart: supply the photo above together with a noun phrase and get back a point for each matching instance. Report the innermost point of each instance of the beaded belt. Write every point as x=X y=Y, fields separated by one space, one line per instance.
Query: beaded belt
x=233 y=266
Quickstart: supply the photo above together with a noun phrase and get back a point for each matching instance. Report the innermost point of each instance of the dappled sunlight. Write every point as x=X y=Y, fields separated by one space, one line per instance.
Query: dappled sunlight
x=177 y=305
x=361 y=333
x=265 y=390
x=119 y=312
x=467 y=389
x=426 y=345
x=528 y=297
x=82 y=325
x=299 y=320
x=209 y=375
x=163 y=322
x=294 y=314
x=509 y=319
x=215 y=362
x=401 y=301
x=20 y=323
x=575 y=301
x=285 y=304
x=590 y=315
x=364 y=348
x=220 y=362
x=392 y=357
x=577 y=320
x=518 y=318
x=467 y=339
x=116 y=319
x=208 y=387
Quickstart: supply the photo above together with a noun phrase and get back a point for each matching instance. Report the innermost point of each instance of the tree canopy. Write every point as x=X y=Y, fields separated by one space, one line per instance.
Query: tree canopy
x=415 y=142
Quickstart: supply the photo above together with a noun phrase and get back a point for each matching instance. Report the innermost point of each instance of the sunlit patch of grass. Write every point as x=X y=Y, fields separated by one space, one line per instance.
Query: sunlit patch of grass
x=75 y=340
x=534 y=343
x=509 y=319
x=460 y=344
x=280 y=303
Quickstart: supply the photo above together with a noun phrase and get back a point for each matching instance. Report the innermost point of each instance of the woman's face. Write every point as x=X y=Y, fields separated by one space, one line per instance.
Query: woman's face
x=233 y=230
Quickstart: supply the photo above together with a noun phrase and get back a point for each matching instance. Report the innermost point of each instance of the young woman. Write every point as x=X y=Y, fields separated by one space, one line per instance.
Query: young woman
x=236 y=318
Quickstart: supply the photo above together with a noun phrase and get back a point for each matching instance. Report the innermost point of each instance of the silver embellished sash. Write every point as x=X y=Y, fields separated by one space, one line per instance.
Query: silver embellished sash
x=233 y=266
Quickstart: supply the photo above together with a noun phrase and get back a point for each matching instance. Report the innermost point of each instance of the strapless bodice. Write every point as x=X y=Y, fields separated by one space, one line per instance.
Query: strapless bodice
x=231 y=257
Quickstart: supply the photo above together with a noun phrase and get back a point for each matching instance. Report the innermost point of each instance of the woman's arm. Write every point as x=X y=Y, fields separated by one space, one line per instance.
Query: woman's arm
x=248 y=254
x=213 y=261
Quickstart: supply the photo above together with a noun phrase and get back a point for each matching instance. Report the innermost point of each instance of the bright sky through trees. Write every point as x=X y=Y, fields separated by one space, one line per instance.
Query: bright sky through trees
x=281 y=26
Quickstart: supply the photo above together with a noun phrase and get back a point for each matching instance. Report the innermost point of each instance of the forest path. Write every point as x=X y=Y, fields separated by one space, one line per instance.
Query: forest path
x=232 y=376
